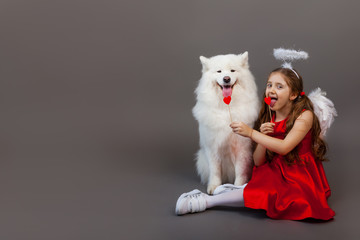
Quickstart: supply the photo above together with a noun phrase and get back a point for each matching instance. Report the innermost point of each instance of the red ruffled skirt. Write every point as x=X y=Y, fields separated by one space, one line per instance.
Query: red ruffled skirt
x=291 y=192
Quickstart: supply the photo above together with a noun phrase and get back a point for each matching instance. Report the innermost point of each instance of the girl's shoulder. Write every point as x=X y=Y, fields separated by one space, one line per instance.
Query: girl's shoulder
x=306 y=116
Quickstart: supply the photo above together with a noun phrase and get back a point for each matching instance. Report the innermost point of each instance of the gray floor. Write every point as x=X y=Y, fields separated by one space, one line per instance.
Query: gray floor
x=97 y=139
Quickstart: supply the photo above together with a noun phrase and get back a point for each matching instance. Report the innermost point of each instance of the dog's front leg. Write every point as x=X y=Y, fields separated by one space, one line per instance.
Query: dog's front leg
x=241 y=175
x=214 y=175
x=242 y=165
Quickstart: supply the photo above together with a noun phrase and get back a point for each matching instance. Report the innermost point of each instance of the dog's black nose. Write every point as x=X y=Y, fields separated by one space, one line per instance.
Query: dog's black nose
x=226 y=79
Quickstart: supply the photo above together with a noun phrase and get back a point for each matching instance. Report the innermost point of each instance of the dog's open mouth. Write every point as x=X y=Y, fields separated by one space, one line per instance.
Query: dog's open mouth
x=227 y=89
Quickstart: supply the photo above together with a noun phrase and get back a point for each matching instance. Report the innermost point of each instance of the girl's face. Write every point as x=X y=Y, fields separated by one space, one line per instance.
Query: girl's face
x=279 y=92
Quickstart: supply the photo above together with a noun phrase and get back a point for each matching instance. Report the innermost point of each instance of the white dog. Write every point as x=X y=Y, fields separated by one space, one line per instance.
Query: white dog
x=223 y=155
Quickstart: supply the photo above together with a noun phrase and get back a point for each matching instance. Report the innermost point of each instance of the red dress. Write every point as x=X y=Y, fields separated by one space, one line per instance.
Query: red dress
x=291 y=192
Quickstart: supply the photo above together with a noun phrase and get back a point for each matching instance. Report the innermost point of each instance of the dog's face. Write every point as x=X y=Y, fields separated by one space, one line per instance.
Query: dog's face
x=225 y=71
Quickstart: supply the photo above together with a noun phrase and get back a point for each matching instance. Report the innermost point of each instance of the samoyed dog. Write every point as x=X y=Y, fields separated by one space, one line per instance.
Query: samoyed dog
x=225 y=156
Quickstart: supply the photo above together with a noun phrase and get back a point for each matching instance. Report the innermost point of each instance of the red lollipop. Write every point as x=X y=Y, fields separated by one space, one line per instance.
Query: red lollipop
x=268 y=101
x=227 y=100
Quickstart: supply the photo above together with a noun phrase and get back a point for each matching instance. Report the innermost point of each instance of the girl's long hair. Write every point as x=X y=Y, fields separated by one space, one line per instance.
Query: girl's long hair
x=318 y=145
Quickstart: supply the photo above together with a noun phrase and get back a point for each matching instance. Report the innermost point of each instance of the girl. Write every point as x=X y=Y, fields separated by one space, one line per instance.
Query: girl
x=288 y=179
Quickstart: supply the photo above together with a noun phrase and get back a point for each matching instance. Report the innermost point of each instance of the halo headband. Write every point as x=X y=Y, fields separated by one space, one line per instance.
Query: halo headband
x=288 y=56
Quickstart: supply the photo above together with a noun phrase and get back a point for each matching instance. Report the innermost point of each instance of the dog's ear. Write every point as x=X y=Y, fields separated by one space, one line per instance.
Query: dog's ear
x=244 y=59
x=204 y=62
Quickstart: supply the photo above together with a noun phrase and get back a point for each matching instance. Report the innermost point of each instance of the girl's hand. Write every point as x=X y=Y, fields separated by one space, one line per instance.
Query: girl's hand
x=241 y=129
x=267 y=128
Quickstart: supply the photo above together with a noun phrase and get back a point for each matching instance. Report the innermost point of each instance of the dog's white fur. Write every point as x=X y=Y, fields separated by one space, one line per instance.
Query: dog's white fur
x=224 y=156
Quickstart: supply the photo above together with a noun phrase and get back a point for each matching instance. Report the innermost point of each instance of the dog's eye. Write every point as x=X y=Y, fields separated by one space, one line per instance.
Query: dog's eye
x=219 y=71
x=232 y=70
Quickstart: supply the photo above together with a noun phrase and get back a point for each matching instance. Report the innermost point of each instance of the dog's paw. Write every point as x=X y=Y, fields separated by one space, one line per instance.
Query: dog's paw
x=240 y=181
x=211 y=188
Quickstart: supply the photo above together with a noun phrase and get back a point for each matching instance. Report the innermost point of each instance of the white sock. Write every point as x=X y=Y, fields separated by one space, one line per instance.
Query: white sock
x=233 y=198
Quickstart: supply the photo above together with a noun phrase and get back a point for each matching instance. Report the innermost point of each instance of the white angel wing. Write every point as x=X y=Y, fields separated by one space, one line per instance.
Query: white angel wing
x=324 y=109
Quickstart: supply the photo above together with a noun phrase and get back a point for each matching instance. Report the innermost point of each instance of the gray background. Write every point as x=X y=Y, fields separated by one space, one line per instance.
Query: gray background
x=97 y=139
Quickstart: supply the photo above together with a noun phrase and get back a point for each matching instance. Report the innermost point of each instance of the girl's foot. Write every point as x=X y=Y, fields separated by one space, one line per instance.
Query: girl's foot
x=191 y=202
x=227 y=188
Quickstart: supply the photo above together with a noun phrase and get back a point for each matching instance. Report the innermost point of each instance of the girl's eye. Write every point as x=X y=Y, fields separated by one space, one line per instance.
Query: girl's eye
x=219 y=71
x=232 y=70
x=279 y=86
x=268 y=85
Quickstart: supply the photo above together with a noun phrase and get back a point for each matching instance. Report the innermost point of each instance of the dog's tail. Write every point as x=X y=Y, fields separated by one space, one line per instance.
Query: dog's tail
x=324 y=109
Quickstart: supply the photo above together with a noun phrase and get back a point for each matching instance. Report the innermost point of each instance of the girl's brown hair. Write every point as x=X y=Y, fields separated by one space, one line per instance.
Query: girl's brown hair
x=299 y=103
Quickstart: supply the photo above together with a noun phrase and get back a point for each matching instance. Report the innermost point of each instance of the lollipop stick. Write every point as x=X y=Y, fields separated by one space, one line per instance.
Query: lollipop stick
x=270 y=114
x=230 y=114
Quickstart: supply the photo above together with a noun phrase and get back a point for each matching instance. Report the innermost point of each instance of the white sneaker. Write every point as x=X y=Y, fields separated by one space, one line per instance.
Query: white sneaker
x=227 y=188
x=191 y=202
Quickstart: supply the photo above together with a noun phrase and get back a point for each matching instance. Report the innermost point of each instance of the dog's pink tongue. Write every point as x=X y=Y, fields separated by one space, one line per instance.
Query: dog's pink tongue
x=272 y=103
x=227 y=92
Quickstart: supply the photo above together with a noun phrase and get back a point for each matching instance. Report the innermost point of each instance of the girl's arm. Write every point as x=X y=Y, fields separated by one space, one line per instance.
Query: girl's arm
x=301 y=127
x=259 y=154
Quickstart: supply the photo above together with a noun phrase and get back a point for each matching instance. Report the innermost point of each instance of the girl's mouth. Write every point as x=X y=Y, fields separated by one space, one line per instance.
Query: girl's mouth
x=273 y=101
